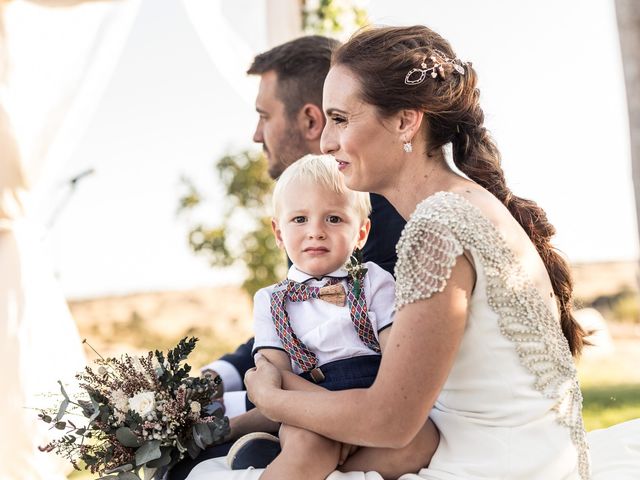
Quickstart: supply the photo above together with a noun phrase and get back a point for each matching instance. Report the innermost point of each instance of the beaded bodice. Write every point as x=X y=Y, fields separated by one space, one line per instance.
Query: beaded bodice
x=442 y=228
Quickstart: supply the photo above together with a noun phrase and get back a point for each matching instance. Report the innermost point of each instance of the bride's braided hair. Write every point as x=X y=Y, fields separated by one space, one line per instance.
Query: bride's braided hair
x=381 y=57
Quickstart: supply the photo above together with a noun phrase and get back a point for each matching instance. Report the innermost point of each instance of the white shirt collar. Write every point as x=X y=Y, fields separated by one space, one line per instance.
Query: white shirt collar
x=300 y=276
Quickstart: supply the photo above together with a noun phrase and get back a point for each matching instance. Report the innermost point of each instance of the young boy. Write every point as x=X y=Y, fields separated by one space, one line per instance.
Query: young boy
x=328 y=321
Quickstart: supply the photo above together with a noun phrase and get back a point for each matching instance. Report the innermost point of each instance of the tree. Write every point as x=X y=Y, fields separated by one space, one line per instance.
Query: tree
x=244 y=237
x=332 y=17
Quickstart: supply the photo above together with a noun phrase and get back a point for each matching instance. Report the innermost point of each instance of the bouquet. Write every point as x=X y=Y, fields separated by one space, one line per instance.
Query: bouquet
x=140 y=415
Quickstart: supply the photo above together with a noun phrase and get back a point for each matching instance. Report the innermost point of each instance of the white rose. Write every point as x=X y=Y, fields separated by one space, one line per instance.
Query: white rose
x=195 y=407
x=143 y=403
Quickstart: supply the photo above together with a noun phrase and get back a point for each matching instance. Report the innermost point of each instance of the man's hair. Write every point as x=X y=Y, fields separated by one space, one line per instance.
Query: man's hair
x=323 y=171
x=301 y=66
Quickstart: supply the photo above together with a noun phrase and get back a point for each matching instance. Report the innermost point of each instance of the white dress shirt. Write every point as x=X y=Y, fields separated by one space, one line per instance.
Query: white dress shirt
x=326 y=329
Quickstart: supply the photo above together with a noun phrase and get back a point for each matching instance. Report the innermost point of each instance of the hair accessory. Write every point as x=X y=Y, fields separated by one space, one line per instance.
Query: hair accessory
x=407 y=147
x=441 y=66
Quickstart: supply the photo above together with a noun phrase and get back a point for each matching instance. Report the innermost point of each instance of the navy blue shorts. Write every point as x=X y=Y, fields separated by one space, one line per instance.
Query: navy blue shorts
x=356 y=372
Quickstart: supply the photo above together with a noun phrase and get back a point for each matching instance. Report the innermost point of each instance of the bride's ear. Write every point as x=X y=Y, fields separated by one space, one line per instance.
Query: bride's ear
x=409 y=122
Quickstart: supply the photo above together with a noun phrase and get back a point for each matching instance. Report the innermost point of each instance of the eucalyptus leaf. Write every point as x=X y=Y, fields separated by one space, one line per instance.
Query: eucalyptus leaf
x=63 y=409
x=164 y=459
x=205 y=434
x=148 y=451
x=197 y=438
x=127 y=467
x=96 y=411
x=128 y=476
x=127 y=438
x=64 y=393
x=192 y=449
x=60 y=425
x=214 y=409
x=148 y=473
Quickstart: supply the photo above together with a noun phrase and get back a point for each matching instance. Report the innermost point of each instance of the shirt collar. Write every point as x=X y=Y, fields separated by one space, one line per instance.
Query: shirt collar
x=300 y=276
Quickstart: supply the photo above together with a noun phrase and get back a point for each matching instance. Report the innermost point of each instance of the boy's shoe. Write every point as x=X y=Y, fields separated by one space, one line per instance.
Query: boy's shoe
x=255 y=450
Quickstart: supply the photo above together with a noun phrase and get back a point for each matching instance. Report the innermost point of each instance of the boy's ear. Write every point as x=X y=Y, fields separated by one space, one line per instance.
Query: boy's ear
x=363 y=233
x=277 y=233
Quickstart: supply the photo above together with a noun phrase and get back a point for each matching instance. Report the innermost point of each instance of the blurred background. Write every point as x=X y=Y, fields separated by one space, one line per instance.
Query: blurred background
x=123 y=122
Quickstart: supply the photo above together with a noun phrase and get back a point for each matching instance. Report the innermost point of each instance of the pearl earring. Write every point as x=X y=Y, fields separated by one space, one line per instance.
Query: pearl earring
x=407 y=147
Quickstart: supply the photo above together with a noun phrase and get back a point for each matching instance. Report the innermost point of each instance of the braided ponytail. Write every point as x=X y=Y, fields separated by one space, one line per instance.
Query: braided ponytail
x=476 y=155
x=453 y=115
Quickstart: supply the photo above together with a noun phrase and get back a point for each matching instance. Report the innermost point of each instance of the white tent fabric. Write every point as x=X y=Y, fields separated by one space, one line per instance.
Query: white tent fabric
x=228 y=51
x=51 y=83
x=48 y=93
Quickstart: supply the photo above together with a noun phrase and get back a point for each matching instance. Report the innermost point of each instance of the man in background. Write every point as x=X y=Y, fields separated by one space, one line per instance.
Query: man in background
x=291 y=120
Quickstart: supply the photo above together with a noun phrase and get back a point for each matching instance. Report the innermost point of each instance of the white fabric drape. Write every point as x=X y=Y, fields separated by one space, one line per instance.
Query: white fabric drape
x=228 y=51
x=56 y=64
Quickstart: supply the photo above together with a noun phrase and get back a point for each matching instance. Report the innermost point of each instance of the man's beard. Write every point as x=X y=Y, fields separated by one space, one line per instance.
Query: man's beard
x=292 y=147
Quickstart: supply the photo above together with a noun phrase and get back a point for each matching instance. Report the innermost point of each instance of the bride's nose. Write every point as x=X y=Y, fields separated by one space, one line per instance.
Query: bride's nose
x=328 y=142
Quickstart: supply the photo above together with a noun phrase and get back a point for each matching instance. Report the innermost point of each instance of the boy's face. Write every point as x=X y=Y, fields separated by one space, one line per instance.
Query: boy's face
x=318 y=228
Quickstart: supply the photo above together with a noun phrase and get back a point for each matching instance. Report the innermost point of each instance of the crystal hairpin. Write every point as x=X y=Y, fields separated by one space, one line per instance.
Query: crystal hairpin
x=440 y=62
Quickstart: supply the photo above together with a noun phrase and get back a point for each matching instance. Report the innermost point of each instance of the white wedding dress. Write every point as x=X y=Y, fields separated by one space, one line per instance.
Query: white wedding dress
x=511 y=407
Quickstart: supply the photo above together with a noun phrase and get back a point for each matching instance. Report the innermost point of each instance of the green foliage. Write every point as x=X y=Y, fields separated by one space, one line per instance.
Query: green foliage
x=330 y=17
x=244 y=236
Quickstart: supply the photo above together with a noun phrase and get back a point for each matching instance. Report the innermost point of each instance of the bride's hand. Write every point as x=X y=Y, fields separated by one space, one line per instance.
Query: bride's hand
x=261 y=380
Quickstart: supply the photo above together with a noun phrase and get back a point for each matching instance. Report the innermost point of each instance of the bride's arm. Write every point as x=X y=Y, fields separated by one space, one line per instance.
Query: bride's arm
x=419 y=354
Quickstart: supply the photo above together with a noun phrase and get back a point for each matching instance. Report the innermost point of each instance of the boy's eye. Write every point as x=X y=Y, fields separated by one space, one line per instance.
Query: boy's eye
x=334 y=219
x=299 y=219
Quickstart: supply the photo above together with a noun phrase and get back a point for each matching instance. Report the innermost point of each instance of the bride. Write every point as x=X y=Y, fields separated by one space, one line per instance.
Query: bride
x=484 y=337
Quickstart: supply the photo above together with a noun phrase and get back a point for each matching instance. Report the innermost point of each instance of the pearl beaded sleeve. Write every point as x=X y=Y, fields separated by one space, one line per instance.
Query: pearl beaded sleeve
x=442 y=227
x=427 y=251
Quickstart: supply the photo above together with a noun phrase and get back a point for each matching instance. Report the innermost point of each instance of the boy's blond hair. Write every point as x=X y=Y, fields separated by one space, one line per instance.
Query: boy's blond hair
x=323 y=170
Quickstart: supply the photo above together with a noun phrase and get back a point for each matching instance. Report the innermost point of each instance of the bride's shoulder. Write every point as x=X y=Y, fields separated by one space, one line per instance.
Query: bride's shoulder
x=463 y=203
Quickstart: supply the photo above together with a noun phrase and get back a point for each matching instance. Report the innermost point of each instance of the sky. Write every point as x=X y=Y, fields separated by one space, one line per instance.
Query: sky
x=552 y=90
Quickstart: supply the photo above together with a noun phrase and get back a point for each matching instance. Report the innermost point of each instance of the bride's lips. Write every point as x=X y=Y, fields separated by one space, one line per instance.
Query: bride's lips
x=342 y=164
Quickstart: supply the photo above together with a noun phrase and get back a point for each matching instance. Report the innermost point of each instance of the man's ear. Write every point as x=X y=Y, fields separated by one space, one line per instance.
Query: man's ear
x=409 y=122
x=277 y=233
x=311 y=121
x=363 y=233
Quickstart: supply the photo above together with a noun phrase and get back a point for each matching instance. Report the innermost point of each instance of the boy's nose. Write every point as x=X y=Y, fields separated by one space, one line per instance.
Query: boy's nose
x=319 y=234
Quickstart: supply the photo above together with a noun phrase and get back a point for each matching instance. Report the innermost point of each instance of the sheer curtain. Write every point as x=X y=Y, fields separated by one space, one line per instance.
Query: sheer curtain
x=55 y=65
x=228 y=49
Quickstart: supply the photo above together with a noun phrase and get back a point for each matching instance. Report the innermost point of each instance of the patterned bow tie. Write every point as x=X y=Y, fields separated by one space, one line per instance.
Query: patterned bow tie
x=288 y=290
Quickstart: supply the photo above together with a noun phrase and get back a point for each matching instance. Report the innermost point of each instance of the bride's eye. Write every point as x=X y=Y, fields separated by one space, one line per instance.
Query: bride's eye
x=338 y=120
